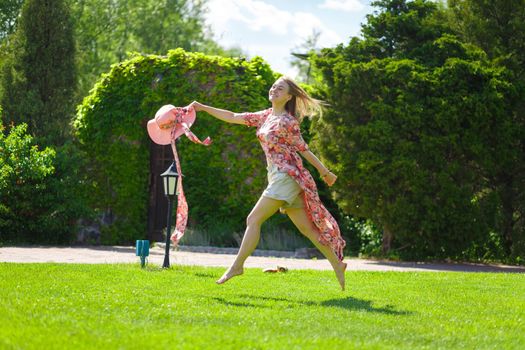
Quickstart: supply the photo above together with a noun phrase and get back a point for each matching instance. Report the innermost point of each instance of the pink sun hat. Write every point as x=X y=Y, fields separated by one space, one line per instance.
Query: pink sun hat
x=167 y=117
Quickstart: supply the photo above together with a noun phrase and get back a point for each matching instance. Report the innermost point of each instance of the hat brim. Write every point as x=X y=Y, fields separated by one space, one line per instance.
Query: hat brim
x=163 y=136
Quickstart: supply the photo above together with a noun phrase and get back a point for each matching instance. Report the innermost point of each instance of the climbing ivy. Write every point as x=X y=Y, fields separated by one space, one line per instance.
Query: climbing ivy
x=222 y=182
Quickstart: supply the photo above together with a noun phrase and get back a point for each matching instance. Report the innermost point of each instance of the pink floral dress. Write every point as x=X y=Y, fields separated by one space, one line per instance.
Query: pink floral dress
x=280 y=138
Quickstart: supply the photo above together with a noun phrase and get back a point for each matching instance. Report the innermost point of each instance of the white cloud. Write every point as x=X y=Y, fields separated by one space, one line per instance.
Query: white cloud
x=255 y=14
x=262 y=16
x=259 y=16
x=343 y=5
x=260 y=28
x=277 y=55
x=220 y=14
x=304 y=25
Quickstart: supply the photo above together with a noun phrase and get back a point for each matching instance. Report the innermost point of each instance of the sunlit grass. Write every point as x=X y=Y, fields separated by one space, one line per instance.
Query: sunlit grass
x=55 y=306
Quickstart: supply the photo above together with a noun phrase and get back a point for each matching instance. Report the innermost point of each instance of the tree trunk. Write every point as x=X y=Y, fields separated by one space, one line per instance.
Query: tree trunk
x=507 y=224
x=387 y=239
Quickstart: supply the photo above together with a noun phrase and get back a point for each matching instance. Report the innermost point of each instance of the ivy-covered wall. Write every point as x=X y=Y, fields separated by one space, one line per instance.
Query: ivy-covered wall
x=222 y=182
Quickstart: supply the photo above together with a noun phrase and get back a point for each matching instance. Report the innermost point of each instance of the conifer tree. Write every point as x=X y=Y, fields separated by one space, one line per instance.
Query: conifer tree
x=39 y=78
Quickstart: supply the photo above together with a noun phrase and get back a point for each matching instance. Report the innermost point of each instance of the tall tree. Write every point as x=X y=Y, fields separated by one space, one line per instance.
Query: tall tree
x=9 y=11
x=415 y=107
x=39 y=76
x=498 y=26
x=107 y=30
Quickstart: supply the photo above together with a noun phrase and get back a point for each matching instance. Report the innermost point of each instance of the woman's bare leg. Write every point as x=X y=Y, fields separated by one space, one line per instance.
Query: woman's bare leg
x=264 y=208
x=303 y=223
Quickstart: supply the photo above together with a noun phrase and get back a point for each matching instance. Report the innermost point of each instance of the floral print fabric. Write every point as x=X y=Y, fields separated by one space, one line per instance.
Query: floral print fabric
x=280 y=138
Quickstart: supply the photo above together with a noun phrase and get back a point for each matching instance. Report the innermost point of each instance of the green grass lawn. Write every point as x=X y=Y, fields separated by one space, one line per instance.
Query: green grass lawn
x=55 y=306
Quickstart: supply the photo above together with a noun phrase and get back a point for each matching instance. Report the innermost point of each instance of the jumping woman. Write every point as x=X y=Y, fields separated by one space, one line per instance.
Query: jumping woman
x=291 y=187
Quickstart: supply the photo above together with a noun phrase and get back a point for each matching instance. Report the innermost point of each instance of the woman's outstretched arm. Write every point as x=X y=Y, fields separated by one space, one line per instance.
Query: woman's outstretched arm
x=218 y=113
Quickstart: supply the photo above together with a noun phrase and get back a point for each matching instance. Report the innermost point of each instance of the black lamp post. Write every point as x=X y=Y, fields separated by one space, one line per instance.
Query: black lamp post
x=170 y=180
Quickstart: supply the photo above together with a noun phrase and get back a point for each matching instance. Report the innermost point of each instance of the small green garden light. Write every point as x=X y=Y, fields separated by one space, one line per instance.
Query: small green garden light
x=142 y=250
x=169 y=178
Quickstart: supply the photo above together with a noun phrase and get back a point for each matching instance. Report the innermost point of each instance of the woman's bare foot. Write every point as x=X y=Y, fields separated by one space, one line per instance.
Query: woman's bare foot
x=231 y=272
x=340 y=274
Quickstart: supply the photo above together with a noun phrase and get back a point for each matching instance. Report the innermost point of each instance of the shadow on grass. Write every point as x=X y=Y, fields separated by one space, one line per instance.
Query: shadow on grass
x=205 y=274
x=348 y=303
x=450 y=267
x=239 y=303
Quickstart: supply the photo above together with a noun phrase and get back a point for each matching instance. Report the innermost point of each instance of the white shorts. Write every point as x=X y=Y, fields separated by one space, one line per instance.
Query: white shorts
x=282 y=186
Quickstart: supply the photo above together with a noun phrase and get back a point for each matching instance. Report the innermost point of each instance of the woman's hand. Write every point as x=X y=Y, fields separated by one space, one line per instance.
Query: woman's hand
x=197 y=106
x=329 y=178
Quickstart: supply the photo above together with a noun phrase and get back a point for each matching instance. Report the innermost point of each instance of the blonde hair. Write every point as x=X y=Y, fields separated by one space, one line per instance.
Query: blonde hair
x=301 y=104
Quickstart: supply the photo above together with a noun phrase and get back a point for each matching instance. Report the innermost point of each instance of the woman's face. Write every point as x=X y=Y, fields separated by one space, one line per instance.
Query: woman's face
x=279 y=92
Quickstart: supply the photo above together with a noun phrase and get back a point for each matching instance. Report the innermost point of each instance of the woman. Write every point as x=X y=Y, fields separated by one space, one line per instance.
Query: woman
x=291 y=188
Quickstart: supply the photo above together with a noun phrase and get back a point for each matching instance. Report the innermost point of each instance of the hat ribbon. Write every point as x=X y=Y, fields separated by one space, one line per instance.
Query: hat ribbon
x=182 y=205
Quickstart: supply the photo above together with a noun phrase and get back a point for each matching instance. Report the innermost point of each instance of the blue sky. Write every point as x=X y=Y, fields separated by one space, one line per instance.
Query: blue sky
x=272 y=28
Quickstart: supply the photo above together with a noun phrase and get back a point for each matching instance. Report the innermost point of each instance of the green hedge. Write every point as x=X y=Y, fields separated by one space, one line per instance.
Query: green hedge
x=222 y=182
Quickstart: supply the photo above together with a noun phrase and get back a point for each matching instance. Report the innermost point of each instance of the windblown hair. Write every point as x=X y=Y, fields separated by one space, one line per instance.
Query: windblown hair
x=301 y=104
